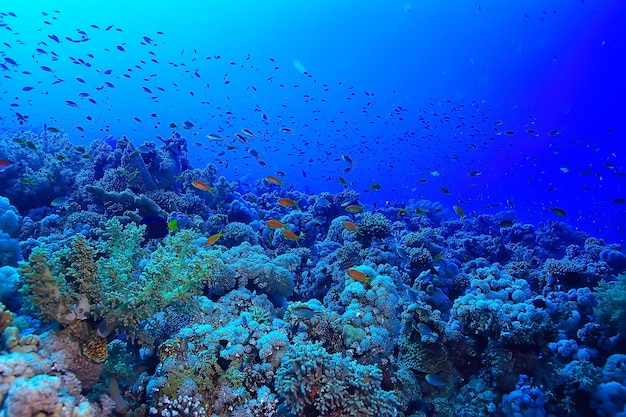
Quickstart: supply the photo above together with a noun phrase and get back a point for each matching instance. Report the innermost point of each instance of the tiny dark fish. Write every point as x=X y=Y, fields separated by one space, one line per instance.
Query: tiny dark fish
x=304 y=311
x=71 y=103
x=505 y=224
x=121 y=48
x=558 y=211
x=540 y=303
x=59 y=201
x=156 y=227
x=54 y=38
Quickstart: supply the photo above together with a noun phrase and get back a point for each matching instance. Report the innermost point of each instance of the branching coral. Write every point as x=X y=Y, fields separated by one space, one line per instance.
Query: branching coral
x=50 y=295
x=374 y=226
x=611 y=309
x=123 y=284
x=314 y=382
x=133 y=286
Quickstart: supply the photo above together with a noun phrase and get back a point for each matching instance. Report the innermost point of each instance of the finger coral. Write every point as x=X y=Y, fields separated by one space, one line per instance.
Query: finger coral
x=314 y=382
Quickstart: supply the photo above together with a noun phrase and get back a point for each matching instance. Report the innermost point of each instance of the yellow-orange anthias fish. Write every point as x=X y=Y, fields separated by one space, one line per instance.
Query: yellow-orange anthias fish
x=273 y=180
x=213 y=238
x=287 y=202
x=202 y=186
x=358 y=275
x=289 y=235
x=274 y=224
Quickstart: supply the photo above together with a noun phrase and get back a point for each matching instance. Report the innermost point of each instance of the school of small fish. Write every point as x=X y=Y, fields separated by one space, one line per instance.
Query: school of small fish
x=450 y=144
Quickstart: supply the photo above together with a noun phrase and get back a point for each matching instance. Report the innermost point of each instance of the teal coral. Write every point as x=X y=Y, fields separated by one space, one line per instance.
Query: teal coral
x=611 y=309
x=373 y=309
x=133 y=285
x=117 y=280
x=315 y=382
x=251 y=267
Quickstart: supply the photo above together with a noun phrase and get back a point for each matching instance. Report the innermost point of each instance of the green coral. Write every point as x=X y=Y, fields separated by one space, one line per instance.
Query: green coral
x=611 y=308
x=116 y=279
x=134 y=286
x=46 y=292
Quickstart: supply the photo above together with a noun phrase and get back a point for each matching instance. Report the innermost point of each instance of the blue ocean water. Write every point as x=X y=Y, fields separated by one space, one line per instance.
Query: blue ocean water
x=403 y=89
x=486 y=134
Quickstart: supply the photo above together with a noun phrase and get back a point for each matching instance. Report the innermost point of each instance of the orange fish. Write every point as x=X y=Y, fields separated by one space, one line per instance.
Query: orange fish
x=274 y=180
x=203 y=186
x=287 y=202
x=289 y=235
x=358 y=275
x=351 y=227
x=354 y=208
x=274 y=224
x=213 y=238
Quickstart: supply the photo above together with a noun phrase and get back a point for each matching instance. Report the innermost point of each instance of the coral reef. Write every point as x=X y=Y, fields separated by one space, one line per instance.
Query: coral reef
x=414 y=312
x=312 y=381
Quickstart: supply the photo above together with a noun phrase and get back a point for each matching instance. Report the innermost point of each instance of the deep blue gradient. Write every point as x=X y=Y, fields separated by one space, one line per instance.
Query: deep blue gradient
x=417 y=94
